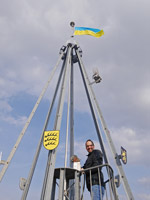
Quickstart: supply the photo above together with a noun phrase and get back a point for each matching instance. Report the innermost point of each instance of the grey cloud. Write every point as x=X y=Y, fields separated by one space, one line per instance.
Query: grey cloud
x=32 y=32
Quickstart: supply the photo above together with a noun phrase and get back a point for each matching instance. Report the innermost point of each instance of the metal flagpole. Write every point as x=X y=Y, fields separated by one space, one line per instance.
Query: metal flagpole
x=70 y=54
x=66 y=145
x=71 y=195
x=72 y=110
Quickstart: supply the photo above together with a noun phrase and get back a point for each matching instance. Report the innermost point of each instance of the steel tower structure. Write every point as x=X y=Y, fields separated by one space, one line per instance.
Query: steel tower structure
x=69 y=178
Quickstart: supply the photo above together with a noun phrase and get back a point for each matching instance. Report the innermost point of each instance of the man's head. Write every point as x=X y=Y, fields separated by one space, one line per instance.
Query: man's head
x=89 y=146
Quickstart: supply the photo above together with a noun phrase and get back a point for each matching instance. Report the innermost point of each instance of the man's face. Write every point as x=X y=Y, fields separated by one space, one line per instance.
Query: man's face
x=89 y=146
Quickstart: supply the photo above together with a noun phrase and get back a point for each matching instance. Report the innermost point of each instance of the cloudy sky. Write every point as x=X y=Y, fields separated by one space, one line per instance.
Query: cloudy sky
x=31 y=35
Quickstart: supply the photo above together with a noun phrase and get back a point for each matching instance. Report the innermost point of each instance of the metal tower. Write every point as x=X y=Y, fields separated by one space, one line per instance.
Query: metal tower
x=70 y=180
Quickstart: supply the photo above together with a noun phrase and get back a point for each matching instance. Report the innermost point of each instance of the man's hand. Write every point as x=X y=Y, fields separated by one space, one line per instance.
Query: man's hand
x=82 y=170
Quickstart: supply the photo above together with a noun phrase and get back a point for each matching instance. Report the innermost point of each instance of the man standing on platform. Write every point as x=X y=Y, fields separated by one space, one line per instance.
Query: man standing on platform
x=95 y=182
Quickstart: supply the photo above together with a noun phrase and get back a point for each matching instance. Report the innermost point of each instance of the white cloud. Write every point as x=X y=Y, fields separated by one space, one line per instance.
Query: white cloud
x=31 y=33
x=7 y=116
x=17 y=121
x=5 y=107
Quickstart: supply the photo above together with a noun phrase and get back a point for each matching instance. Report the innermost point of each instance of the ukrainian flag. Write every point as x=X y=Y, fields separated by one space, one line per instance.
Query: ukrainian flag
x=88 y=31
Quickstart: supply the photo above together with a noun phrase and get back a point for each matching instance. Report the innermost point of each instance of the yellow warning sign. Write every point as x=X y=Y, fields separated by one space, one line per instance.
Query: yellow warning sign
x=51 y=139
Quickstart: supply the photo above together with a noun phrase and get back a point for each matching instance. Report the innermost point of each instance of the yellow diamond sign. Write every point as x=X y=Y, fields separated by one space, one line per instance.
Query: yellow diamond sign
x=51 y=139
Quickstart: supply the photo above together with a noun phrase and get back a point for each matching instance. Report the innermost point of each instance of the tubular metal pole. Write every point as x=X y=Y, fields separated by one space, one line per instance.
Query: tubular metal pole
x=58 y=84
x=67 y=133
x=71 y=193
x=67 y=128
x=61 y=184
x=72 y=111
x=53 y=190
x=29 y=179
x=77 y=185
x=52 y=155
x=93 y=112
x=109 y=139
x=7 y=162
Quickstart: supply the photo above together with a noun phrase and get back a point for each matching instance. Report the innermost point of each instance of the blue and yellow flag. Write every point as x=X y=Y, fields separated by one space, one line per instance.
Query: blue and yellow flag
x=88 y=31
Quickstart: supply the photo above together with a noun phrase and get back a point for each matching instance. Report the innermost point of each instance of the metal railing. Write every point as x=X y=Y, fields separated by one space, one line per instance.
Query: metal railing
x=108 y=182
x=78 y=182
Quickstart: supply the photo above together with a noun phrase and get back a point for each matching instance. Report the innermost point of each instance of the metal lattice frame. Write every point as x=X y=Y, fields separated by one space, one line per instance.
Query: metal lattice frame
x=70 y=54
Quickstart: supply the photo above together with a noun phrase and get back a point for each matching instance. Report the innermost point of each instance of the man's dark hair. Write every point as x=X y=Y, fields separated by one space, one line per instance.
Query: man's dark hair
x=89 y=141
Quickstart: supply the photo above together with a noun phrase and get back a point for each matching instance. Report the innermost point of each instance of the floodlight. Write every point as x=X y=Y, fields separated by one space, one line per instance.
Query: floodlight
x=123 y=155
x=96 y=76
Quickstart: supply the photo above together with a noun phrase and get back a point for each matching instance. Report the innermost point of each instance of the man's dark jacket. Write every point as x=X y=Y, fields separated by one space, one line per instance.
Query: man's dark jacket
x=95 y=158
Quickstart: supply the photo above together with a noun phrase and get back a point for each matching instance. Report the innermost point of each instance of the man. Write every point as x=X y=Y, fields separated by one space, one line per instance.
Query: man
x=95 y=158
